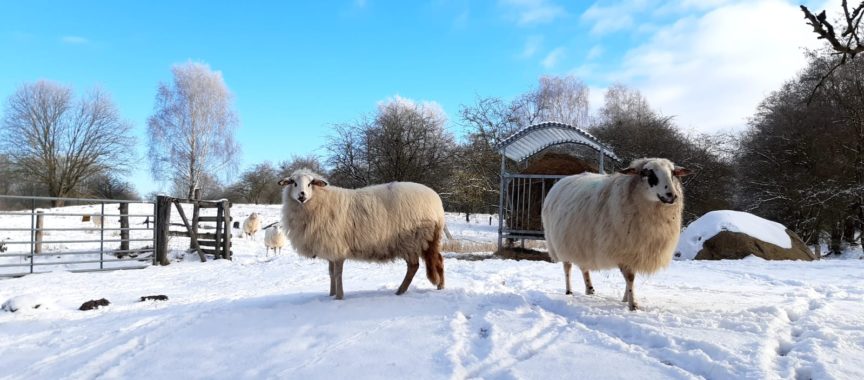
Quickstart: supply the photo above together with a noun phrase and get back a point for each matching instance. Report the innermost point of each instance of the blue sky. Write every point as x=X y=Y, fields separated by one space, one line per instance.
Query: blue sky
x=296 y=68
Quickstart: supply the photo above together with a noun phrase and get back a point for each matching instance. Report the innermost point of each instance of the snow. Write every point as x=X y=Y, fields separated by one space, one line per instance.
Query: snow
x=265 y=316
x=712 y=223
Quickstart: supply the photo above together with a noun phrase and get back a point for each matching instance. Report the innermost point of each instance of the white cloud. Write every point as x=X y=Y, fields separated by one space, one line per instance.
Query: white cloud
x=595 y=52
x=607 y=17
x=530 y=12
x=532 y=45
x=74 y=40
x=711 y=71
x=553 y=58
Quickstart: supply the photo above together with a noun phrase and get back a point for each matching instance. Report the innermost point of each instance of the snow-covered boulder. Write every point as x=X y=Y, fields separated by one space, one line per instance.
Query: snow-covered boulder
x=726 y=234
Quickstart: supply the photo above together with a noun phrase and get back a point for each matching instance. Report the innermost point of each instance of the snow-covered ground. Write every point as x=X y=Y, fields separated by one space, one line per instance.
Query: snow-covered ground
x=270 y=317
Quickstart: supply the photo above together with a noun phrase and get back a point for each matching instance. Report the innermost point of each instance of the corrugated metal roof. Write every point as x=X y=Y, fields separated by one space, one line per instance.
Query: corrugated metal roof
x=532 y=139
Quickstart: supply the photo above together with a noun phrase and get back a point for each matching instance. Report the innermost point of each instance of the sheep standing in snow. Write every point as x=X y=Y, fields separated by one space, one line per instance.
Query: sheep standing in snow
x=274 y=238
x=251 y=225
x=380 y=223
x=93 y=218
x=630 y=220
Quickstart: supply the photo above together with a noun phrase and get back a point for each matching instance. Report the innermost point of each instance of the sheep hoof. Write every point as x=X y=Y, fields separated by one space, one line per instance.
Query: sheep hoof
x=400 y=292
x=589 y=291
x=440 y=287
x=633 y=307
x=339 y=298
x=569 y=293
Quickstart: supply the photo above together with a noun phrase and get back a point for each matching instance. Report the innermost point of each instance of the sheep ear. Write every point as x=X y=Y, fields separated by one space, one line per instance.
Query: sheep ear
x=319 y=182
x=286 y=181
x=628 y=171
x=680 y=172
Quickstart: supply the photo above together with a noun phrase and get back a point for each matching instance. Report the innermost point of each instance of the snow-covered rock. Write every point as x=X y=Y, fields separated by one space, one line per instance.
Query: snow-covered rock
x=734 y=234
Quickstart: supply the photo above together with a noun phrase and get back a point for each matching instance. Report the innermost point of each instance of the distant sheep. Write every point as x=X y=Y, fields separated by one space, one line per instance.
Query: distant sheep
x=630 y=220
x=93 y=218
x=274 y=238
x=251 y=225
x=381 y=223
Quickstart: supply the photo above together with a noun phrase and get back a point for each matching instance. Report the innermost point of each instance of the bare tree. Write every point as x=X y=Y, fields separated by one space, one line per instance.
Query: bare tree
x=847 y=46
x=404 y=141
x=258 y=184
x=192 y=129
x=851 y=44
x=109 y=186
x=58 y=142
x=561 y=99
x=311 y=162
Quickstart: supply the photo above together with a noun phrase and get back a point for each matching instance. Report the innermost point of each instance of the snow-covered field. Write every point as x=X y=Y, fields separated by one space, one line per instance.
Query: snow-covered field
x=270 y=317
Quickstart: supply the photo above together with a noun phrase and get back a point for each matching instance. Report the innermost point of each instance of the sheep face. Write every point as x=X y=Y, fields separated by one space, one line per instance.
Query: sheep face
x=659 y=179
x=301 y=185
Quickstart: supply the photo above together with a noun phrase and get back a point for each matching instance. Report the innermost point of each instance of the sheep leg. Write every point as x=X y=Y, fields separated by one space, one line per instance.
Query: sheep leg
x=567 y=267
x=332 y=279
x=337 y=273
x=629 y=277
x=589 y=289
x=409 y=275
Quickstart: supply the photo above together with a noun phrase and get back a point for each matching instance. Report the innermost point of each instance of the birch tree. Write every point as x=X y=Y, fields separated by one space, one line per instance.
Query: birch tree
x=191 y=132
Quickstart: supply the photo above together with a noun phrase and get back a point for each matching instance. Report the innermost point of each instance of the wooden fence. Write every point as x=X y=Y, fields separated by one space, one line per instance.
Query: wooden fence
x=217 y=243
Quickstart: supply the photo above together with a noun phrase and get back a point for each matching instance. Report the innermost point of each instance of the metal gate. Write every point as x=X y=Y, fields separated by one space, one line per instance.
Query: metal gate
x=522 y=203
x=87 y=236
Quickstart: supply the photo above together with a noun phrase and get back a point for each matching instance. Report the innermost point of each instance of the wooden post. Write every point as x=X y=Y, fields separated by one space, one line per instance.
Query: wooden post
x=193 y=235
x=38 y=246
x=163 y=222
x=196 y=210
x=124 y=229
x=217 y=250
x=226 y=225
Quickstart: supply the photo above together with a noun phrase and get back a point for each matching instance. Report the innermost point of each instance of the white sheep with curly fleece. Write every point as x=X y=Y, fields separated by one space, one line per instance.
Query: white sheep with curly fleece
x=380 y=223
x=630 y=220
x=274 y=238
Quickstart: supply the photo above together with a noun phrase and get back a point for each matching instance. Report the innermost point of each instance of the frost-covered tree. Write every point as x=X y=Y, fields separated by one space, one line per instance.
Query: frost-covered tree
x=191 y=132
x=403 y=141
x=57 y=141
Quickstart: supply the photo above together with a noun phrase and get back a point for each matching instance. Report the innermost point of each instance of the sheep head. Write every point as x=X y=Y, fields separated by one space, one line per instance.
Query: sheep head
x=301 y=185
x=659 y=179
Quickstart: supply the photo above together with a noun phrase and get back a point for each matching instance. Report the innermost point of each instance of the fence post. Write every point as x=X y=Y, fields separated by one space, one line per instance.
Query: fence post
x=163 y=222
x=102 y=236
x=217 y=249
x=37 y=248
x=32 y=233
x=226 y=214
x=124 y=228
x=196 y=210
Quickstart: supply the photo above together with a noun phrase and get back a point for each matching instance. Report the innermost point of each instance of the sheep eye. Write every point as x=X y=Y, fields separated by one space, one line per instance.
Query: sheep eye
x=295 y=184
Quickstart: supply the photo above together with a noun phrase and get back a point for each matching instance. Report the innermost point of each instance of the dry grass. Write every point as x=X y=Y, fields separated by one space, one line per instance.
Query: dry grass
x=467 y=246
x=472 y=250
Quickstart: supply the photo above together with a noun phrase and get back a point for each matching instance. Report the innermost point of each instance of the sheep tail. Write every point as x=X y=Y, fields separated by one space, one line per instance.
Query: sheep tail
x=434 y=261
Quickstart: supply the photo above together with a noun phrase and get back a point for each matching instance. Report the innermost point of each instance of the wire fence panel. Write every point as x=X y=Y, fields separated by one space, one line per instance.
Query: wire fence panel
x=37 y=235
